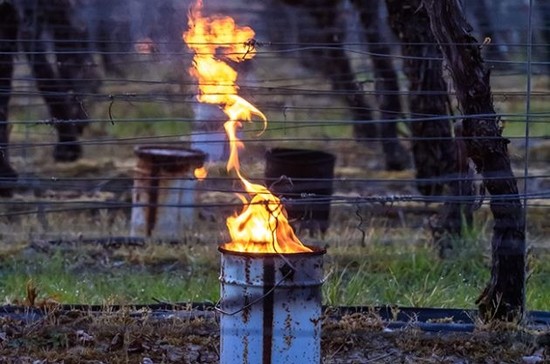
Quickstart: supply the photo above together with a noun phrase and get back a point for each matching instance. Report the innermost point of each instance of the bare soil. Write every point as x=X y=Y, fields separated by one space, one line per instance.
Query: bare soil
x=129 y=336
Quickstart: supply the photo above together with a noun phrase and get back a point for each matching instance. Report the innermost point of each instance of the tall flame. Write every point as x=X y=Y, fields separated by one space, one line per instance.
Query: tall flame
x=262 y=226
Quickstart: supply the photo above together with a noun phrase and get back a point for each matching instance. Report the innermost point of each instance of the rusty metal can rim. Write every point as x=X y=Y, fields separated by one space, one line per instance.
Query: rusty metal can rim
x=315 y=251
x=278 y=285
x=145 y=152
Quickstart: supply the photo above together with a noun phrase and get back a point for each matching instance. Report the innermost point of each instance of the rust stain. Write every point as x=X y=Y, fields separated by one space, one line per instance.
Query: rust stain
x=268 y=311
x=246 y=309
x=156 y=163
x=247 y=270
x=245 y=349
x=287 y=271
x=171 y=159
x=288 y=337
x=153 y=199
x=315 y=321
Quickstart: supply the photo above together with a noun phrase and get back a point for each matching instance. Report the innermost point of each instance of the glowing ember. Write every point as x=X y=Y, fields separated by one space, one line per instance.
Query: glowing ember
x=262 y=226
x=200 y=173
x=145 y=46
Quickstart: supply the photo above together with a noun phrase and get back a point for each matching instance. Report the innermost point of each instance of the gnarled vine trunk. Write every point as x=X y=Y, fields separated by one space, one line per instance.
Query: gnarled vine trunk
x=333 y=61
x=60 y=82
x=504 y=296
x=385 y=82
x=8 y=48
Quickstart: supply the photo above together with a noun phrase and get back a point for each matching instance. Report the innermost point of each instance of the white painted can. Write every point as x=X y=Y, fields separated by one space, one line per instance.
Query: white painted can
x=271 y=307
x=163 y=195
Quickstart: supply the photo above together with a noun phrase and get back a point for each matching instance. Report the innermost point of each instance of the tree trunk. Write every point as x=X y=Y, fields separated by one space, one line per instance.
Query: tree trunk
x=72 y=49
x=57 y=88
x=504 y=296
x=397 y=158
x=8 y=48
x=439 y=159
x=112 y=36
x=334 y=63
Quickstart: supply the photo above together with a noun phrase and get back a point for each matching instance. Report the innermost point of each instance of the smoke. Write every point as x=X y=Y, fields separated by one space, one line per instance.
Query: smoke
x=118 y=25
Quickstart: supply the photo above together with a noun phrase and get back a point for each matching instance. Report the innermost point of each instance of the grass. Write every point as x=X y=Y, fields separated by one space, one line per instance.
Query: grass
x=538 y=126
x=412 y=277
x=75 y=278
x=147 y=119
x=393 y=264
x=408 y=273
x=400 y=273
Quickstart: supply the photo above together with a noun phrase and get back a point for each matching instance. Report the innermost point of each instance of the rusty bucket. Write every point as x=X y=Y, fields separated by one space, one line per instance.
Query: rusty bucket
x=307 y=186
x=163 y=195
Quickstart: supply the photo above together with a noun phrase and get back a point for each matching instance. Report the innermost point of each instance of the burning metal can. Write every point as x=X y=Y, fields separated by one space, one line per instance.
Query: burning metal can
x=271 y=307
x=163 y=186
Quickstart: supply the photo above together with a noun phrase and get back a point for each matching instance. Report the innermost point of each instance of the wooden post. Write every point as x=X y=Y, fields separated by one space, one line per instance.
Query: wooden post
x=504 y=296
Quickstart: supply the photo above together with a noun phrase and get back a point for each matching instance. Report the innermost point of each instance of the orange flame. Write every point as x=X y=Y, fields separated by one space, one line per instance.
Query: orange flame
x=262 y=226
x=200 y=173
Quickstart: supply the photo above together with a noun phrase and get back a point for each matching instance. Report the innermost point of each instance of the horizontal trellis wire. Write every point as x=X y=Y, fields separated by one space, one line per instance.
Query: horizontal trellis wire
x=149 y=98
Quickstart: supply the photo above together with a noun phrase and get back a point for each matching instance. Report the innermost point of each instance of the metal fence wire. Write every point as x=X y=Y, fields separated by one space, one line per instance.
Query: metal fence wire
x=94 y=80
